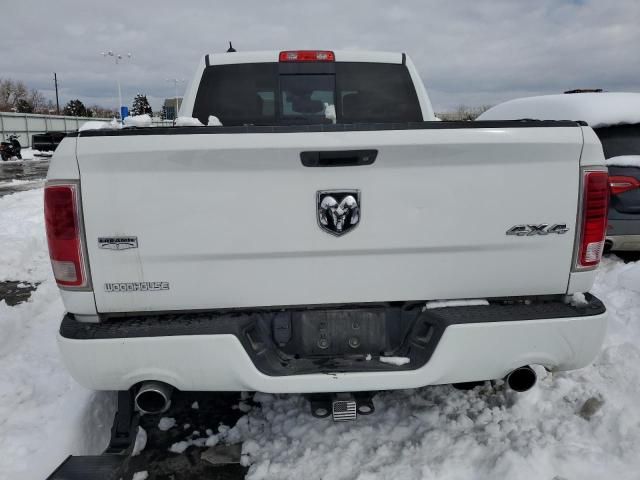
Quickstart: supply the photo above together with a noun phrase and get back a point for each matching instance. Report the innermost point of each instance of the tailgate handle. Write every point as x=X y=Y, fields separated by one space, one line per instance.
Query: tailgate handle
x=338 y=158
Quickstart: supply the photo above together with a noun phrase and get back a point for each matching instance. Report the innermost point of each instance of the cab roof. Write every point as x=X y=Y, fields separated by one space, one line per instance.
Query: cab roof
x=273 y=56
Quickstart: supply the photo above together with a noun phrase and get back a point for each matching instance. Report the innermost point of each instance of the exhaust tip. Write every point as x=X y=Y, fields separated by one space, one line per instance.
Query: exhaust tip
x=153 y=398
x=608 y=246
x=522 y=379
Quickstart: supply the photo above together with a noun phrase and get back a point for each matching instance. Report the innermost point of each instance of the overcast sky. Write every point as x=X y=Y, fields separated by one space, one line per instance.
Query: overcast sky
x=468 y=52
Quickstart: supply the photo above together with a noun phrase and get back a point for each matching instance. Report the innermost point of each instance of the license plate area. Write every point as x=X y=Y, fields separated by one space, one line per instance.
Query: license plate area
x=339 y=333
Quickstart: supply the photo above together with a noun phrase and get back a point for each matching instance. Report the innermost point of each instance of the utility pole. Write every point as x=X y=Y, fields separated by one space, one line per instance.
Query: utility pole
x=175 y=81
x=55 y=80
x=117 y=58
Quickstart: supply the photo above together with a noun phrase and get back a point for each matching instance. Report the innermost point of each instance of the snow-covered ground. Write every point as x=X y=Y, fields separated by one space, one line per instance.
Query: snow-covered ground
x=572 y=426
x=44 y=414
x=29 y=153
x=17 y=182
x=577 y=425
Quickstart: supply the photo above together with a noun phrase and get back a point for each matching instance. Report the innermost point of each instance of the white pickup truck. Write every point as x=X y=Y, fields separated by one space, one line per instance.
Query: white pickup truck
x=330 y=236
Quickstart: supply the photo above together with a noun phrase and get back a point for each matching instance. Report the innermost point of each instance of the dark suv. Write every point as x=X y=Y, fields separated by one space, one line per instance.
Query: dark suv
x=621 y=144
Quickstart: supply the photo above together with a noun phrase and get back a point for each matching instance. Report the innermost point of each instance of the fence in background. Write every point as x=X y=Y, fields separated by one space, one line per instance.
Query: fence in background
x=26 y=124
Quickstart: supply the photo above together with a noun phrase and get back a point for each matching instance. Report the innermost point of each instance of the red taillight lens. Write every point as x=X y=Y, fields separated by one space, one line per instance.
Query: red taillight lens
x=62 y=221
x=307 y=56
x=595 y=207
x=620 y=184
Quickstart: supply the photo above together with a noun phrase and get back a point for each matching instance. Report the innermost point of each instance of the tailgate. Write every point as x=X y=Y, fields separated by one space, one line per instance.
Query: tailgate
x=232 y=219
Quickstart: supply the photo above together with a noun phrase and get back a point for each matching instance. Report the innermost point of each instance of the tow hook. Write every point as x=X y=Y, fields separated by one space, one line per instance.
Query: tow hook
x=341 y=406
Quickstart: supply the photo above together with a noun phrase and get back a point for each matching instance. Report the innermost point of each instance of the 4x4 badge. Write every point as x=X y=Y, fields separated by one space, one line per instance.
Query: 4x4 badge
x=537 y=229
x=338 y=211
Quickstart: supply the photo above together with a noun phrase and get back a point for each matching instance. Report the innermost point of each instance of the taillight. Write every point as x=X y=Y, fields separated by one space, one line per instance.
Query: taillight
x=307 y=56
x=593 y=224
x=620 y=184
x=64 y=234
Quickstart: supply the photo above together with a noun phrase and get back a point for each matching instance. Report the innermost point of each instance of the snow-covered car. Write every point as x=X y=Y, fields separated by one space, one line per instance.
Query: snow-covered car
x=330 y=236
x=615 y=117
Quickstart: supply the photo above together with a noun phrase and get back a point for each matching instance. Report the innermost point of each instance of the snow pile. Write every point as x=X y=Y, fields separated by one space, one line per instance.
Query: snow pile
x=214 y=121
x=617 y=288
x=28 y=153
x=574 y=425
x=137 y=121
x=44 y=414
x=597 y=109
x=166 y=423
x=397 y=361
x=243 y=406
x=98 y=125
x=14 y=182
x=455 y=303
x=23 y=246
x=93 y=125
x=188 y=122
x=20 y=185
x=630 y=278
x=210 y=440
x=140 y=443
x=579 y=300
x=624 y=161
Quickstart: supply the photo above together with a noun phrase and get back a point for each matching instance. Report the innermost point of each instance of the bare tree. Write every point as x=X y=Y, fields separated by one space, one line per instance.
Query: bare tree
x=15 y=96
x=6 y=90
x=20 y=92
x=102 y=112
x=37 y=101
x=48 y=107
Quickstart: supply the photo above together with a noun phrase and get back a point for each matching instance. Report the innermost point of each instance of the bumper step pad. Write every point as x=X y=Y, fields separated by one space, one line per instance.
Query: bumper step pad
x=94 y=467
x=112 y=463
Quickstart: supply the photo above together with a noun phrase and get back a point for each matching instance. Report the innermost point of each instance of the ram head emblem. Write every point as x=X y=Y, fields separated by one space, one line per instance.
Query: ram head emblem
x=338 y=210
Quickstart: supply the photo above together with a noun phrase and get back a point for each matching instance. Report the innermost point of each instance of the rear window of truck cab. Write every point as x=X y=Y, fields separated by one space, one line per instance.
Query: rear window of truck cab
x=308 y=94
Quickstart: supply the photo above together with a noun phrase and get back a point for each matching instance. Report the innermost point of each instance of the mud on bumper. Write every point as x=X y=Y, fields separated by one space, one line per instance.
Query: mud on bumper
x=297 y=349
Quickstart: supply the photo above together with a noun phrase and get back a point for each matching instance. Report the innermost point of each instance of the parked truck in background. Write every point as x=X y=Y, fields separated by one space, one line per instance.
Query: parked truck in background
x=330 y=236
x=47 y=141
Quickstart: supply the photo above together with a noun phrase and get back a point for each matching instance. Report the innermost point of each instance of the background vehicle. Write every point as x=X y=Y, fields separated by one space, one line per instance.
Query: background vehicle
x=47 y=142
x=10 y=149
x=615 y=117
x=316 y=241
